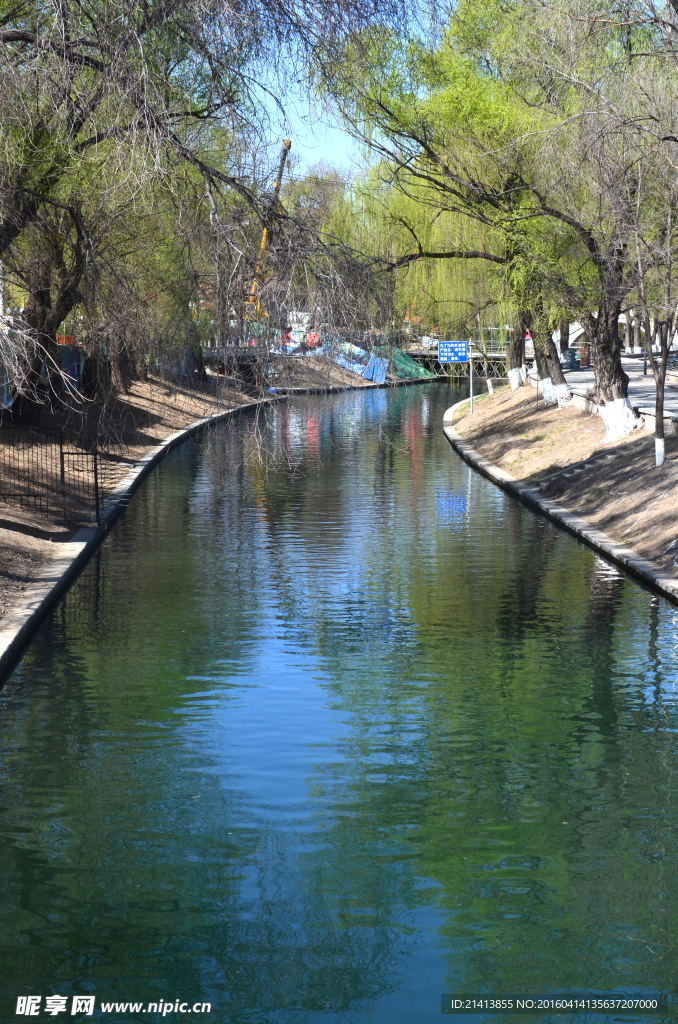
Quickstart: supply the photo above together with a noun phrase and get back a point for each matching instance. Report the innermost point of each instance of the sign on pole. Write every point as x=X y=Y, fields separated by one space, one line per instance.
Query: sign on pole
x=452 y=352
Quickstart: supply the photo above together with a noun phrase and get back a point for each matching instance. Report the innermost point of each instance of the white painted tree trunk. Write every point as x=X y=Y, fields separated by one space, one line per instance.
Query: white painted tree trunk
x=658 y=451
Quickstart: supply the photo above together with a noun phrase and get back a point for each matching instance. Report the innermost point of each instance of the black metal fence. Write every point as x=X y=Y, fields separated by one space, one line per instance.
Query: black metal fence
x=41 y=472
x=492 y=366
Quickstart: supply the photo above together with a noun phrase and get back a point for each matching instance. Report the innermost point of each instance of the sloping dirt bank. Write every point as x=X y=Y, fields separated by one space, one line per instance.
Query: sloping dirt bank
x=317 y=371
x=563 y=453
x=131 y=425
x=134 y=423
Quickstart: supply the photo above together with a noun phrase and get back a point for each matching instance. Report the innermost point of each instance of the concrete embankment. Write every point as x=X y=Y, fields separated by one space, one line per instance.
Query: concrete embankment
x=611 y=497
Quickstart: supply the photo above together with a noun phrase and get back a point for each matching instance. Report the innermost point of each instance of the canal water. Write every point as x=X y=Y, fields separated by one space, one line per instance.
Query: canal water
x=330 y=726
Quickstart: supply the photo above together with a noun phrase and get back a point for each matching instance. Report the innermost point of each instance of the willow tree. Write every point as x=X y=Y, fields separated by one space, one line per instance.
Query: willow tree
x=139 y=88
x=391 y=228
x=620 y=63
x=479 y=126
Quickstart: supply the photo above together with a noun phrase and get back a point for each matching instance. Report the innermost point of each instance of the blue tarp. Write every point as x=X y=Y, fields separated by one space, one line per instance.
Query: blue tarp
x=376 y=370
x=380 y=371
x=359 y=355
x=71 y=363
x=6 y=397
x=348 y=365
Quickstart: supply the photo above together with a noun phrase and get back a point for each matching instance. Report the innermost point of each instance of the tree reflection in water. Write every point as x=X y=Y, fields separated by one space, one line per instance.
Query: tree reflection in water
x=328 y=733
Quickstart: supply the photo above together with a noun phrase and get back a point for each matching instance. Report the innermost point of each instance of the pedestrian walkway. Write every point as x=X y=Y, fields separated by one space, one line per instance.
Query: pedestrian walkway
x=642 y=391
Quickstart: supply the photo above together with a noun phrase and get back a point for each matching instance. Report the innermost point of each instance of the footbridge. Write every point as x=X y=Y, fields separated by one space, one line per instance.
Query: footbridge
x=491 y=364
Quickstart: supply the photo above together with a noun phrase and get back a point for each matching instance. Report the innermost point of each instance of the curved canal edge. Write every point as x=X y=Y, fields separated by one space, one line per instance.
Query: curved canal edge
x=38 y=600
x=643 y=569
x=40 y=597
x=334 y=389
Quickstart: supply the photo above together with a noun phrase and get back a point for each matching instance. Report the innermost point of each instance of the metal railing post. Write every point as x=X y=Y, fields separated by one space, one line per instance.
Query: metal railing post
x=62 y=472
x=96 y=487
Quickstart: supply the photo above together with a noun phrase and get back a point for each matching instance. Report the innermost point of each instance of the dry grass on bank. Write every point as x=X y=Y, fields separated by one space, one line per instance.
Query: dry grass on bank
x=132 y=425
x=149 y=411
x=515 y=431
x=27 y=541
x=312 y=372
x=622 y=493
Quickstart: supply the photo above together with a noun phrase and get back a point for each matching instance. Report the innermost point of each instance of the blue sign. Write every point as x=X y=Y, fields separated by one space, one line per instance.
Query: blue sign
x=452 y=352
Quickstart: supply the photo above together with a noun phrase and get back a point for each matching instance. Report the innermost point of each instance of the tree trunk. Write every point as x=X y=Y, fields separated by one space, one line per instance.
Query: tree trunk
x=516 y=350
x=46 y=309
x=199 y=362
x=659 y=408
x=540 y=356
x=628 y=331
x=610 y=380
x=564 y=335
x=517 y=344
x=139 y=366
x=34 y=388
x=546 y=357
x=96 y=376
x=659 y=371
x=119 y=378
x=555 y=369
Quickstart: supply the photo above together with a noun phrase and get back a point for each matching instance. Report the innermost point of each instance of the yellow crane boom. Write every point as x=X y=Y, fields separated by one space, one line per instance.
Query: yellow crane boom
x=253 y=304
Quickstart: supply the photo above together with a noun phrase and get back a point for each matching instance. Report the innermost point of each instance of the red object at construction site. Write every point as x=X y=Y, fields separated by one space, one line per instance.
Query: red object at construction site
x=313 y=339
x=65 y=339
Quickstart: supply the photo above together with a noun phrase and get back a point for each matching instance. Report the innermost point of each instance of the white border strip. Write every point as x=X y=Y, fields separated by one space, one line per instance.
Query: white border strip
x=625 y=557
x=40 y=597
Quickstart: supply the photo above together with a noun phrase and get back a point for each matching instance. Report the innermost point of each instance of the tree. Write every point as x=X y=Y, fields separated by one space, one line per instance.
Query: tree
x=479 y=127
x=623 y=59
x=140 y=90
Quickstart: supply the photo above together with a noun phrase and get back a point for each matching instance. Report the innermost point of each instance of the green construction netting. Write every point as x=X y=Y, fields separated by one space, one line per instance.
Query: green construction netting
x=406 y=367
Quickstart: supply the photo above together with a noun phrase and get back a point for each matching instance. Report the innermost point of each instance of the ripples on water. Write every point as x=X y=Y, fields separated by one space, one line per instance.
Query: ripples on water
x=330 y=726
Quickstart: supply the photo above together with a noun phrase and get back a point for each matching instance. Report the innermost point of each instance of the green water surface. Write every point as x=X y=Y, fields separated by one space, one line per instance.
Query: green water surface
x=331 y=726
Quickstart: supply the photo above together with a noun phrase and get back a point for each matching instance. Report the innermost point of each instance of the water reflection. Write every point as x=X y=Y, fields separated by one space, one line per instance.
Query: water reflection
x=331 y=726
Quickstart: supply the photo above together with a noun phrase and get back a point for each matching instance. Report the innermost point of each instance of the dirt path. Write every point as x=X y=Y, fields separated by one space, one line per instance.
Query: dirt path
x=563 y=452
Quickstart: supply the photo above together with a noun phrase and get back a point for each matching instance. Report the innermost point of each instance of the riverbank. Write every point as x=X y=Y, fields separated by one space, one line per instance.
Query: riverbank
x=69 y=552
x=40 y=556
x=318 y=374
x=312 y=373
x=134 y=424
x=561 y=456
x=301 y=711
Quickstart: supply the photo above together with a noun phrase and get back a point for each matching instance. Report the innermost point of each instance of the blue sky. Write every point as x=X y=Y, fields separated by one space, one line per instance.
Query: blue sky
x=316 y=137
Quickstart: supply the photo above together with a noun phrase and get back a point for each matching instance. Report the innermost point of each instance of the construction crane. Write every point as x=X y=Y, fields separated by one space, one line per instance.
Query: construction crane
x=253 y=304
